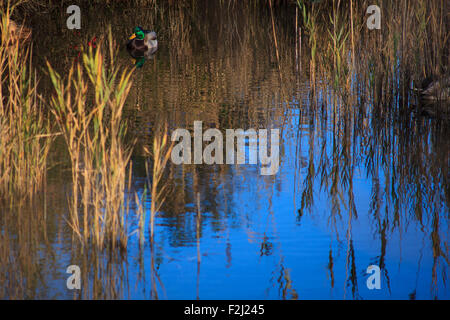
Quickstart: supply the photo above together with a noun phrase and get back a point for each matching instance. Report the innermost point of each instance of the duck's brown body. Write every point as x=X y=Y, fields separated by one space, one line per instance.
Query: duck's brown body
x=143 y=45
x=437 y=89
x=137 y=44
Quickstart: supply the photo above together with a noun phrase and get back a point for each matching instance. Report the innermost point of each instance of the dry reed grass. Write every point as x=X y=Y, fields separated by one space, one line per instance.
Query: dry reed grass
x=25 y=133
x=88 y=108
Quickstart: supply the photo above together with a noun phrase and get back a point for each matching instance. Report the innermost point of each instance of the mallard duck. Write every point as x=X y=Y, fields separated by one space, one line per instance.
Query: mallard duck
x=435 y=89
x=434 y=97
x=141 y=42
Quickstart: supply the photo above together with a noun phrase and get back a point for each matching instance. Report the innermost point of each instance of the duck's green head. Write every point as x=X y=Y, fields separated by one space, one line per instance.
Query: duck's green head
x=138 y=33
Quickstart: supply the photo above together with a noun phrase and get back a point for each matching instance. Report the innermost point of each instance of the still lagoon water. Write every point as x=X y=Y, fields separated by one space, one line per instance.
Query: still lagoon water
x=354 y=188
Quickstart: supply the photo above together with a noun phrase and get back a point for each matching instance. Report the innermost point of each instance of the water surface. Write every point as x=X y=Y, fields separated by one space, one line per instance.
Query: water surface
x=354 y=188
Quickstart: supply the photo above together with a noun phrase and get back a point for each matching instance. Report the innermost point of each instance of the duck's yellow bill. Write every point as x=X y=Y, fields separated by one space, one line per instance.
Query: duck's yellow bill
x=133 y=36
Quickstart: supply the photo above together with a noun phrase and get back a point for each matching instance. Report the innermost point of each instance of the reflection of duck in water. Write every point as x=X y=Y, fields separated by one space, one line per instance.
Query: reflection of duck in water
x=142 y=45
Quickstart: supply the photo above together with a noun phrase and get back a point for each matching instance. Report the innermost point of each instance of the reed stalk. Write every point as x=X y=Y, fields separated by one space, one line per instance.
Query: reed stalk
x=25 y=131
x=161 y=153
x=88 y=109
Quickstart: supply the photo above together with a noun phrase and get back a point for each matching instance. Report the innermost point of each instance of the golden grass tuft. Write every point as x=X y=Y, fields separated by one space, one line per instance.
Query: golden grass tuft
x=25 y=134
x=88 y=108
